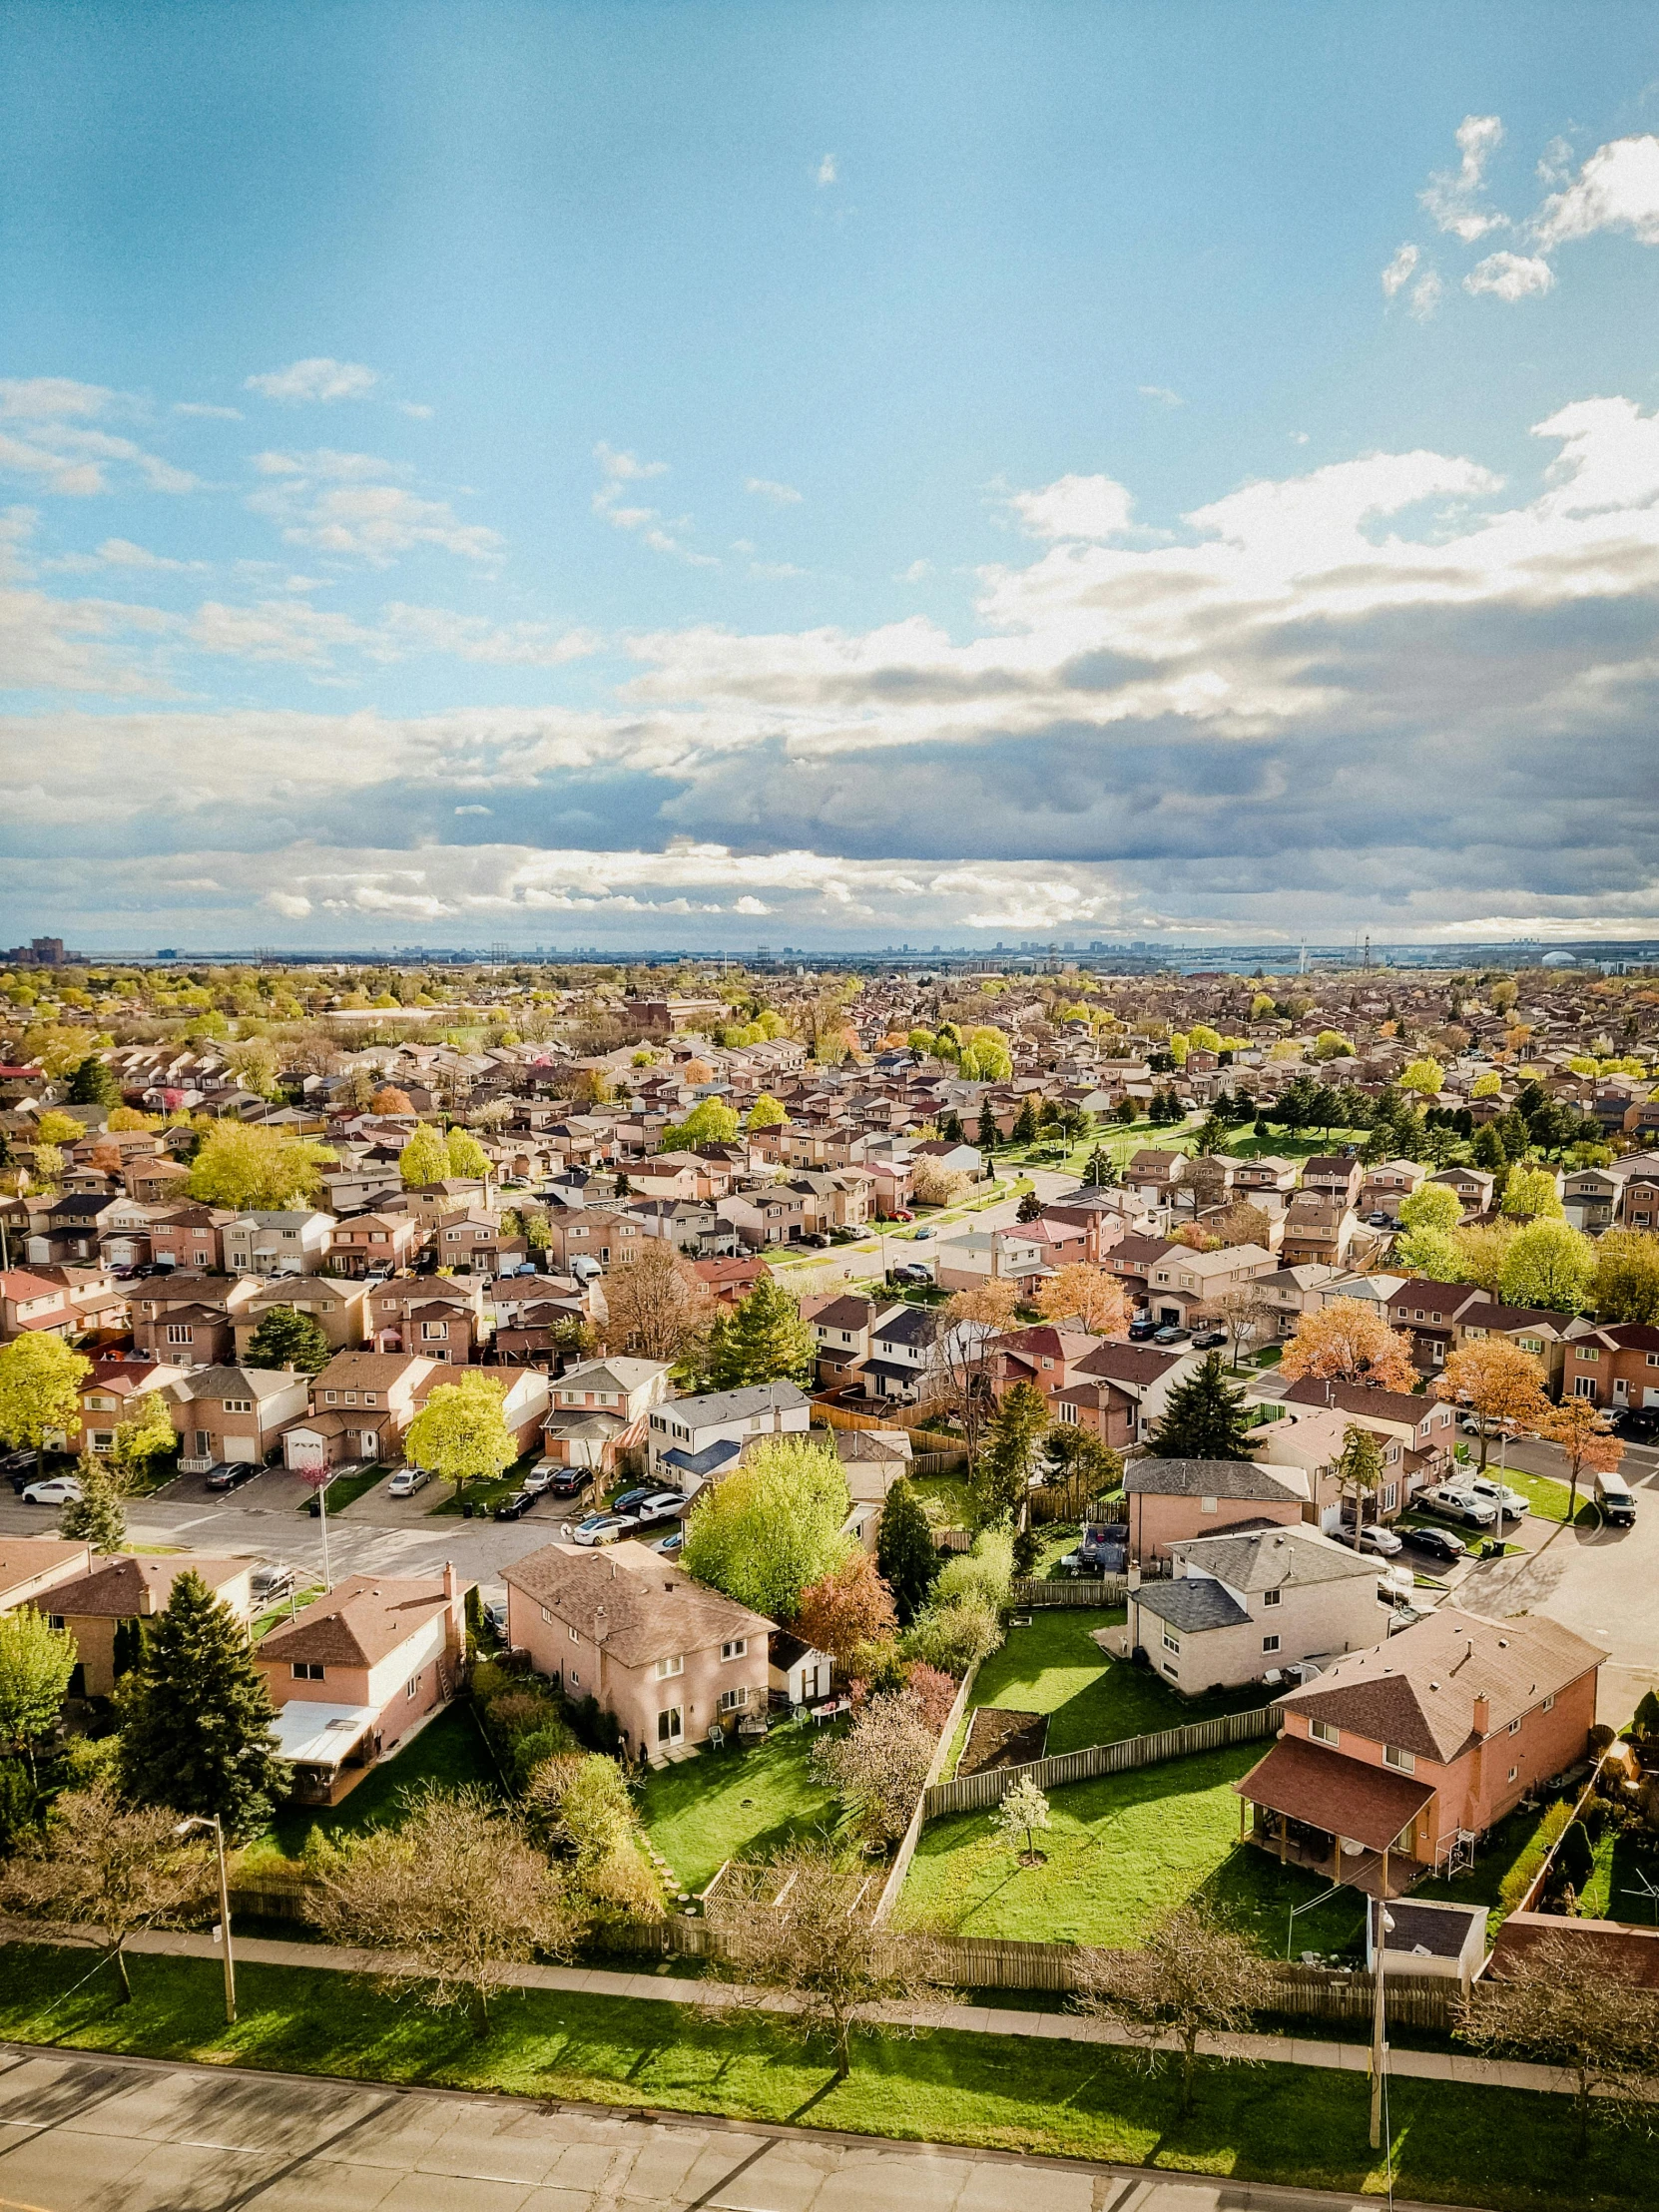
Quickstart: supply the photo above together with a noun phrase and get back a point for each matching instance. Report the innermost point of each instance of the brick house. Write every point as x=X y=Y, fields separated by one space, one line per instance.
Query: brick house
x=1417 y=1435
x=372 y=1243
x=116 y=1590
x=286 y=1243
x=339 y=1308
x=1615 y=1365
x=667 y=1656
x=1394 y=1759
x=1170 y=1501
x=358 y=1407
x=30 y=1566
x=108 y=1395
x=234 y=1414
x=191 y=1237
x=441 y=1319
x=1119 y=1390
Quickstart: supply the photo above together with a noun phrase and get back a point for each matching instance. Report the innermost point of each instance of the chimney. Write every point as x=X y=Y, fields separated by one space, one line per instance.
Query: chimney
x=1483 y=1713
x=451 y=1583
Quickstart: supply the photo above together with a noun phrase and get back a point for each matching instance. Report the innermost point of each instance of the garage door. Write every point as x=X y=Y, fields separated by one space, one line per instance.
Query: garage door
x=240 y=1448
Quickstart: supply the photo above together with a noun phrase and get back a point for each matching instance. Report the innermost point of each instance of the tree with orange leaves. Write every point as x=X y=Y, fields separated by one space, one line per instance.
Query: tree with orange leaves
x=1586 y=1439
x=849 y=1606
x=1501 y=1385
x=1087 y=1295
x=1349 y=1342
x=388 y=1099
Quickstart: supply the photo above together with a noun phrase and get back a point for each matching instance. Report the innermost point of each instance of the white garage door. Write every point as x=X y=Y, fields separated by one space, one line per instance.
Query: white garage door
x=240 y=1448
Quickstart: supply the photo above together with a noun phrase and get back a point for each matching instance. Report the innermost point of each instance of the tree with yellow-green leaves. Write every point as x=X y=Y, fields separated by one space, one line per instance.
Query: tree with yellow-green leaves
x=1425 y=1077
x=253 y=1170
x=460 y=1434
x=40 y=1391
x=58 y=1129
x=1488 y=1085
x=466 y=1155
x=1534 y=1192
x=425 y=1157
x=766 y=1113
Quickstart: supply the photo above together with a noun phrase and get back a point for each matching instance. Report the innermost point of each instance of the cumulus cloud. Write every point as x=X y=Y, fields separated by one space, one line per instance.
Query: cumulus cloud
x=1399 y=270
x=1451 y=197
x=648 y=523
x=1510 y=277
x=57 y=448
x=318 y=379
x=827 y=174
x=1162 y=394
x=765 y=487
x=353 y=505
x=1074 y=507
x=1616 y=190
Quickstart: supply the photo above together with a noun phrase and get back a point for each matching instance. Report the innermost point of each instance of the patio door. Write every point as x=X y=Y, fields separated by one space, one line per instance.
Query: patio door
x=669 y=1727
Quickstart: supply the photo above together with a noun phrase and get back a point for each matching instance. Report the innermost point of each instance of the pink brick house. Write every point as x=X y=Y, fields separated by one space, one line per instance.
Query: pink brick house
x=1169 y=1501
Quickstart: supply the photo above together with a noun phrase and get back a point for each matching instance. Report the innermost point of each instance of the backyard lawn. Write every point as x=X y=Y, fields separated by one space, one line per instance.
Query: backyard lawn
x=1056 y=1667
x=736 y=1804
x=449 y=1751
x=1121 y=1851
x=1457 y=2144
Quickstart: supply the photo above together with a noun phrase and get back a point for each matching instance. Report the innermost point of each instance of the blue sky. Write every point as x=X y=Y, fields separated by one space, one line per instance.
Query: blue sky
x=717 y=475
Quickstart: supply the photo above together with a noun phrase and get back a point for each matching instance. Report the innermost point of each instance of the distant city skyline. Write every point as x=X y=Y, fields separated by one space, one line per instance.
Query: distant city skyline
x=713 y=477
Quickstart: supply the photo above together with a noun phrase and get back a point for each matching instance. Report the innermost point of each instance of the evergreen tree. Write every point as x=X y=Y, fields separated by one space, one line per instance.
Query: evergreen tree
x=128 y=1647
x=987 y=1136
x=906 y=1556
x=1203 y=1419
x=1099 y=1172
x=950 y=1128
x=1029 y=1208
x=96 y=1517
x=197 y=1717
x=1127 y=1111
x=286 y=1338
x=1002 y=1480
x=94 y=1084
x=762 y=1339
x=1025 y=1127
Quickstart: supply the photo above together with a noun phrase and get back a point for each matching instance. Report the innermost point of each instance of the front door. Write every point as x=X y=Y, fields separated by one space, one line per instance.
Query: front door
x=669 y=1728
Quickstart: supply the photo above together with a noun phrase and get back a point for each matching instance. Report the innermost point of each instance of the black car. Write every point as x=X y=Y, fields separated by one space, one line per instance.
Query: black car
x=1638 y=1425
x=570 y=1482
x=1209 y=1340
x=516 y=1506
x=1139 y=1330
x=231 y=1475
x=1439 y=1544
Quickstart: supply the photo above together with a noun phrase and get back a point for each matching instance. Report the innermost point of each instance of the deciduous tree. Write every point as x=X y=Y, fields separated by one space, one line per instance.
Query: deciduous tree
x=460 y=1434
x=1349 y=1340
x=1433 y=1206
x=766 y=1113
x=877 y=1768
x=40 y=1390
x=144 y=1435
x=771 y=1527
x=963 y=1353
x=709 y=1122
x=1190 y=1975
x=1586 y=1439
x=1533 y=1193
x=388 y=1099
x=1501 y=1385
x=255 y=1170
x=1086 y=1295
x=1024 y=1811
x=467 y=1156
x=657 y=1305
x=425 y=1157
x=849 y=1606
x=1625 y=1285
x=36 y=1662
x=1549 y=1263
x=1424 y=1077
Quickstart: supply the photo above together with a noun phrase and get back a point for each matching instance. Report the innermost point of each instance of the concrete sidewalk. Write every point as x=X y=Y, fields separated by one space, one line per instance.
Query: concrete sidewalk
x=972 y=2019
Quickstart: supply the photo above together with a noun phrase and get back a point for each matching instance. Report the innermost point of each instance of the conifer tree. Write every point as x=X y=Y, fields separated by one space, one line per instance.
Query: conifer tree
x=197 y=1717
x=1203 y=1419
x=762 y=1339
x=286 y=1338
x=906 y=1554
x=1025 y=1127
x=94 y=1083
x=96 y=1517
x=1002 y=1479
x=987 y=1136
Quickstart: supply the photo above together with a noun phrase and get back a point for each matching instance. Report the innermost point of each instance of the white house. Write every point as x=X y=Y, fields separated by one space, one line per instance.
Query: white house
x=293 y=1243
x=1252 y=1602
x=694 y=1439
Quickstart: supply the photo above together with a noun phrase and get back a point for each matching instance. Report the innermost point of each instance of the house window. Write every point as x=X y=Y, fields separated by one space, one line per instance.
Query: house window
x=1550 y=1702
x=666 y=1667
x=412 y=1689
x=732 y=1700
x=546 y=1615
x=54 y=1621
x=1171 y=1643
x=1514 y=1726
x=1273 y=1597
x=1270 y=1643
x=306 y=1670
x=433 y=1330
x=1207 y=1505
x=1588 y=1355
x=1584 y=1386
x=1391 y=1497
x=575 y=1636
x=575 y=1677
x=1324 y=1732
x=178 y=1333
x=735 y=1648
x=669 y=1726
x=1174 y=1673
x=329 y=1396
x=368 y=1397
x=1513 y=1772
x=238 y=1404
x=1066 y=1414
x=1404 y=1761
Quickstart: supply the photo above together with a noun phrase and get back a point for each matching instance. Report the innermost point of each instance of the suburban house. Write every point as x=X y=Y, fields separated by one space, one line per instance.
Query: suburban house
x=374 y=1244
x=1289 y=1292
x=189 y=1320
x=1241 y=1607
x=108 y=1395
x=599 y=1410
x=32 y=1565
x=28 y=1304
x=1120 y=1391
x=1393 y=1762
x=718 y=1425
x=965 y=1262
x=235 y=1415
x=1388 y=1185
x=340 y=1308
x=295 y=1243
x=1617 y=1365
x=115 y=1593
x=440 y=1319
x=358 y=1670
x=1182 y=1285
x=900 y=1354
x=667 y=1656
x=1417 y=1435
x=471 y=1241
x=1319 y=1229
x=841 y=1327
x=190 y=1237
x=358 y=1407
x=732 y=1279
x=872 y=1460
x=1169 y=1501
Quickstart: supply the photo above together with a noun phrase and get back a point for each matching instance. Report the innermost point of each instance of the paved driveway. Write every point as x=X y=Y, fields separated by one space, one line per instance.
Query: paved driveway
x=102 y=2135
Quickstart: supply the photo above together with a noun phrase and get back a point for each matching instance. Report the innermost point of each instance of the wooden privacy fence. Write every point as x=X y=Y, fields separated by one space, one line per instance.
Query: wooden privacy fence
x=977 y=1793
x=898 y=1417
x=912 y=1835
x=1100 y=1589
x=937 y=1463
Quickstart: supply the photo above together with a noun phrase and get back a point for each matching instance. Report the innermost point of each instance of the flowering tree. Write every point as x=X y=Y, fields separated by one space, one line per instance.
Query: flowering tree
x=1349 y=1342
x=1087 y=1295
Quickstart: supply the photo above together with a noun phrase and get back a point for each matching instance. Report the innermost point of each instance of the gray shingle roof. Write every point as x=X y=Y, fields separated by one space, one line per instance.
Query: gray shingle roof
x=1207 y=1478
x=1193 y=1603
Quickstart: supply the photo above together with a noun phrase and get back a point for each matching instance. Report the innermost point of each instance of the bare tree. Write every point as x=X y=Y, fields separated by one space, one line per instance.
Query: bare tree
x=878 y=1767
x=1241 y=1224
x=963 y=1360
x=804 y=1926
x=1203 y=1182
x=657 y=1305
x=458 y=1889
x=1566 y=2004
x=100 y=1861
x=1241 y=1312
x=1192 y=1975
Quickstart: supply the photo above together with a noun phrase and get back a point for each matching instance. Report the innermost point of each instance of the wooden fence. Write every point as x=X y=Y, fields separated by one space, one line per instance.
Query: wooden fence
x=898 y=1417
x=976 y=1793
x=912 y=1835
x=1099 y=1589
x=938 y=1462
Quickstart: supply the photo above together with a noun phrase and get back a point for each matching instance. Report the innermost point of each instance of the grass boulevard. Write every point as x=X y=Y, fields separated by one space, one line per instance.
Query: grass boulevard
x=1456 y=2144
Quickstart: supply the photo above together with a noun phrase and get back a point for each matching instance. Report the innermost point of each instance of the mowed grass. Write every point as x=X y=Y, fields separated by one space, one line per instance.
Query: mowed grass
x=736 y=1803
x=450 y=1752
x=1054 y=1666
x=1120 y=1852
x=1494 y=2148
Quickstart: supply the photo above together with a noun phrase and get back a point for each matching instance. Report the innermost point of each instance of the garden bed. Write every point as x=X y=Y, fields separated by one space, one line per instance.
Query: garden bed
x=1000 y=1737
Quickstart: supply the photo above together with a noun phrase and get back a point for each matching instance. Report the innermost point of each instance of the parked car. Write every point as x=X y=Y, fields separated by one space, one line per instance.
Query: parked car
x=569 y=1482
x=19 y=1467
x=1170 y=1334
x=1209 y=1340
x=516 y=1506
x=1383 y=1541
x=540 y=1476
x=1513 y=1502
x=57 y=1489
x=812 y=1238
x=922 y=1236
x=1380 y=1221
x=1140 y=1330
x=1613 y=1494
x=1638 y=1425
x=1439 y=1544
x=604 y=1528
x=911 y=1271
x=495 y=1613
x=408 y=1481
x=670 y=1545
x=653 y=1505
x=901 y=1213
x=231 y=1475
x=1458 y=1501
x=273 y=1582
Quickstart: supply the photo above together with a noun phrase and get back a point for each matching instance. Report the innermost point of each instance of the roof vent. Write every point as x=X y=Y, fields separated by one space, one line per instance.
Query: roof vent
x=1434 y=1685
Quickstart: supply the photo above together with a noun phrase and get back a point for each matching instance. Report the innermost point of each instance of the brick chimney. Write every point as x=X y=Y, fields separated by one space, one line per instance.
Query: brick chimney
x=1483 y=1713
x=451 y=1583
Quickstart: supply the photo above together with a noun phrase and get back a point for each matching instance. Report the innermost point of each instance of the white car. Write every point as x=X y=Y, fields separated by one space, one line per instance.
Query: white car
x=1381 y=1541
x=1497 y=1493
x=540 y=1476
x=57 y=1489
x=1457 y=1502
x=408 y=1481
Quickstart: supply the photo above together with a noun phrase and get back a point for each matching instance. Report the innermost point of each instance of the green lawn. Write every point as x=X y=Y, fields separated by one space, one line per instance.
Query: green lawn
x=1612 y=1893
x=1494 y=2148
x=736 y=1804
x=449 y=1751
x=1121 y=1851
x=486 y=1496
x=1056 y=1667
x=345 y=1489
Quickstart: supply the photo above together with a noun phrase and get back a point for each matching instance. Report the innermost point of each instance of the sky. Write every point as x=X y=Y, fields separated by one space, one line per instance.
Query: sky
x=723 y=475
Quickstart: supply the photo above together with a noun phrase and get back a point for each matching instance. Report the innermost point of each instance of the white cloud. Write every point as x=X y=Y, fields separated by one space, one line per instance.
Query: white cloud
x=1162 y=394
x=1450 y=197
x=415 y=410
x=1399 y=270
x=915 y=573
x=827 y=173
x=1074 y=507
x=626 y=469
x=318 y=379
x=652 y=527
x=57 y=446
x=475 y=638
x=52 y=399
x=782 y=495
x=288 y=904
x=348 y=504
x=207 y=410
x=1426 y=294
x=1510 y=277
x=1616 y=190
x=474 y=809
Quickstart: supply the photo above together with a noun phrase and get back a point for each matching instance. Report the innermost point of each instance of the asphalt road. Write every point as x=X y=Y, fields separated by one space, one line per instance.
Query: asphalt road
x=809 y=1277
x=129 y=2135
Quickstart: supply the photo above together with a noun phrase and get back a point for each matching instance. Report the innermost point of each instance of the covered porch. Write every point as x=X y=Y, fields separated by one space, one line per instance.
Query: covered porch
x=1355 y=1822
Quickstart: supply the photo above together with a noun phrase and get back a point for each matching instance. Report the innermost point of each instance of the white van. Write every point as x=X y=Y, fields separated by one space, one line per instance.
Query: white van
x=1616 y=1500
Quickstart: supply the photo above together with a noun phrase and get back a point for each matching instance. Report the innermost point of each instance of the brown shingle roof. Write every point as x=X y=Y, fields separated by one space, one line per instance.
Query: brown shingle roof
x=1345 y=1797
x=638 y=1604
x=121 y=1588
x=357 y=1624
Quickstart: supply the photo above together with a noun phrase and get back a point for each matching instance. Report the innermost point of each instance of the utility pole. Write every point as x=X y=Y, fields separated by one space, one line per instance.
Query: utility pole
x=1378 y=2023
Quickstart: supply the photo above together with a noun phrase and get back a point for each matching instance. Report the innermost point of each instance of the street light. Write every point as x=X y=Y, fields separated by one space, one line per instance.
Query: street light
x=1379 y=2025
x=213 y=1821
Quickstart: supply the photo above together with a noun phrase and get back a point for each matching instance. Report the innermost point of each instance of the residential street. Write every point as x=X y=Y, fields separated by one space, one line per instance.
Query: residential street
x=133 y=2135
x=819 y=1272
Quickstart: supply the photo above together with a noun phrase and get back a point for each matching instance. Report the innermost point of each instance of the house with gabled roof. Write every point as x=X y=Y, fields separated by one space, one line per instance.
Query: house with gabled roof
x=114 y=1592
x=1245 y=1606
x=1170 y=1501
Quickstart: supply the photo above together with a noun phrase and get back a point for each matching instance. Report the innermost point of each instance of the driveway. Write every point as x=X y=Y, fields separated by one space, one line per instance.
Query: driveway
x=810 y=1275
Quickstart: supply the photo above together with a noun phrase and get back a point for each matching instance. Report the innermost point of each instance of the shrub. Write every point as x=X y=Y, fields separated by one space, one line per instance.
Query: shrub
x=983 y=1573
x=934 y=1692
x=535 y=1745
x=1523 y=1873
x=953 y=1637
